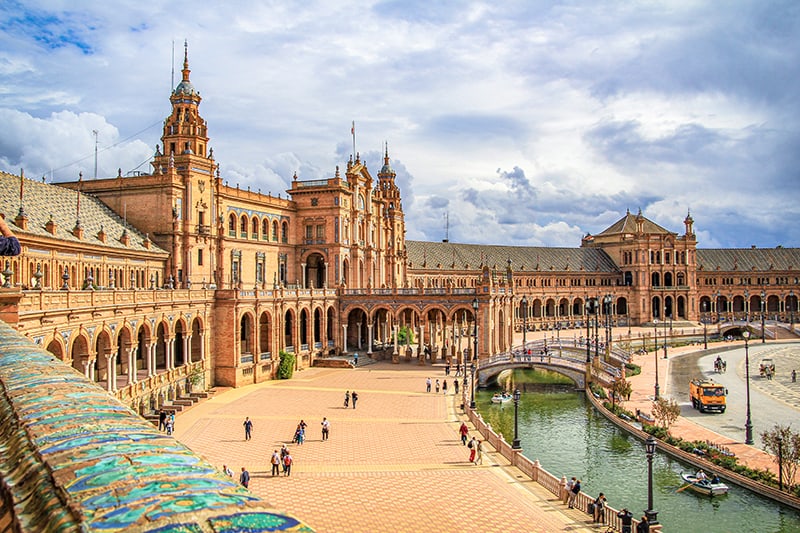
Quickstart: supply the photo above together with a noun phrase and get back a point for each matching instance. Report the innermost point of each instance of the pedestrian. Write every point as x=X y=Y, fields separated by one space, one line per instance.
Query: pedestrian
x=276 y=461
x=643 y=526
x=626 y=519
x=568 y=489
x=479 y=452
x=248 y=428
x=170 y=423
x=794 y=376
x=437 y=386
x=287 y=464
x=355 y=399
x=227 y=471
x=576 y=489
x=162 y=420
x=455 y=386
x=473 y=447
x=346 y=399
x=326 y=427
x=9 y=245
x=444 y=386
x=599 y=509
x=464 y=431
x=355 y=359
x=244 y=478
x=284 y=453
x=447 y=369
x=428 y=385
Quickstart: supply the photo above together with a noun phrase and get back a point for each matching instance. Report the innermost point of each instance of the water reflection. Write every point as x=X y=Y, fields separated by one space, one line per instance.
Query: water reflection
x=561 y=429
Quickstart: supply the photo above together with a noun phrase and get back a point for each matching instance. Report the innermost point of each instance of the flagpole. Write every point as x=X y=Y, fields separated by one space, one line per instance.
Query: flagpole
x=353 y=133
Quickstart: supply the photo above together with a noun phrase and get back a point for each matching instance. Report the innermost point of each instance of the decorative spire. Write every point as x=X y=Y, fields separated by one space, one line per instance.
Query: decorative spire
x=185 y=70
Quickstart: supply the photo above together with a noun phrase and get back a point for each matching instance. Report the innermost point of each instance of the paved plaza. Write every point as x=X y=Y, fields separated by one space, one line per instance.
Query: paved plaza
x=395 y=463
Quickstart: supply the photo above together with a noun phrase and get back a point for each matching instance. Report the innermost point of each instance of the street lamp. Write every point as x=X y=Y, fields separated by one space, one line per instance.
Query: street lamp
x=763 y=310
x=650 y=450
x=591 y=308
x=792 y=305
x=748 y=425
x=704 y=320
x=472 y=369
x=655 y=354
x=665 y=331
x=747 y=306
x=523 y=308
x=516 y=445
x=475 y=306
x=717 y=305
x=607 y=301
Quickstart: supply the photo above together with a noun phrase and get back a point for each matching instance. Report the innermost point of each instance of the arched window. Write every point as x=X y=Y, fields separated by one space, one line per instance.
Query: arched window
x=275 y=230
x=232 y=225
x=284 y=232
x=255 y=228
x=243 y=227
x=264 y=229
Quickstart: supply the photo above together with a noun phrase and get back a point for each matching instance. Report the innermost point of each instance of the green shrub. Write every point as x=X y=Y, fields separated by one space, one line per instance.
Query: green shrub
x=286 y=367
x=632 y=369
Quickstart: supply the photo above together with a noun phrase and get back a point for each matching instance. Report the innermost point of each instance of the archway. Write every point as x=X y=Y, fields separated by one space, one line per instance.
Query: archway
x=315 y=271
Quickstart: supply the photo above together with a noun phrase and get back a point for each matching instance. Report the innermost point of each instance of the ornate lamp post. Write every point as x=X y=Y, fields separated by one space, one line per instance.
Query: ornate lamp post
x=704 y=320
x=717 y=304
x=748 y=425
x=763 y=311
x=650 y=450
x=591 y=308
x=523 y=308
x=792 y=305
x=747 y=306
x=655 y=354
x=665 y=330
x=607 y=301
x=516 y=445
x=475 y=306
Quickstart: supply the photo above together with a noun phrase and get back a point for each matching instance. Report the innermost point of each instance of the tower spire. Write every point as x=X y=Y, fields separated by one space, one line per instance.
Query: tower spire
x=185 y=70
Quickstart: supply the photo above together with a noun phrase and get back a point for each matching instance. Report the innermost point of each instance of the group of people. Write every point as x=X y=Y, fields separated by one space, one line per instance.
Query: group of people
x=282 y=460
x=166 y=421
x=350 y=397
x=440 y=385
x=598 y=508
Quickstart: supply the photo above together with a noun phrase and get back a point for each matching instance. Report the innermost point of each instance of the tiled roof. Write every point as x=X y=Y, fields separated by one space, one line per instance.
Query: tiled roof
x=627 y=224
x=452 y=256
x=745 y=259
x=42 y=201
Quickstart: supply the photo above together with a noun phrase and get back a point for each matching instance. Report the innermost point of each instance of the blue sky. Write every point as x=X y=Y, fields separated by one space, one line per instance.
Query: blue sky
x=522 y=123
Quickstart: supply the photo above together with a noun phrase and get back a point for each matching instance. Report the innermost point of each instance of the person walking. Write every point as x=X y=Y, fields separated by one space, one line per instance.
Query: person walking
x=479 y=452
x=428 y=385
x=444 y=387
x=355 y=359
x=227 y=471
x=287 y=464
x=437 y=385
x=248 y=428
x=326 y=427
x=170 y=423
x=568 y=489
x=284 y=453
x=276 y=461
x=455 y=386
x=576 y=489
x=473 y=447
x=346 y=399
x=244 y=478
x=794 y=376
x=162 y=420
x=355 y=398
x=464 y=431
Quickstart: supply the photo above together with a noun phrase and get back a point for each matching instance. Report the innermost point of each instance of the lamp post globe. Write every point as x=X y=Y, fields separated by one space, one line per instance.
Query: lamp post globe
x=748 y=425
x=523 y=309
x=763 y=312
x=515 y=444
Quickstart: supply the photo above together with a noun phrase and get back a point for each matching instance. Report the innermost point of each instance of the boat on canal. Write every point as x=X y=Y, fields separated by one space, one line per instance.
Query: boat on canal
x=502 y=398
x=704 y=486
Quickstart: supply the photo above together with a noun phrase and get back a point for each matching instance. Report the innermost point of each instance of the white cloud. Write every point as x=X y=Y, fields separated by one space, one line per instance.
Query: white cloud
x=530 y=123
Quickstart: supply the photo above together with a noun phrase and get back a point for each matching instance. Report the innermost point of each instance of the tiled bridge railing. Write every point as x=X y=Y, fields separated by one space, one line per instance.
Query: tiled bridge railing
x=73 y=458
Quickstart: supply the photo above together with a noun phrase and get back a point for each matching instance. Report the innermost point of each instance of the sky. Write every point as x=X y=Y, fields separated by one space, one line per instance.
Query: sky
x=528 y=123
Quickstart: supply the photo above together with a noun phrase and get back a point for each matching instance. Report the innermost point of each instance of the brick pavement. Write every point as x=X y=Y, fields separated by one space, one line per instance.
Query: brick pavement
x=393 y=464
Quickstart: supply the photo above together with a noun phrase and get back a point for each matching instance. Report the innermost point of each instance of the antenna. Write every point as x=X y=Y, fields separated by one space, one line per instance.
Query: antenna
x=95 y=153
x=172 y=81
x=446 y=226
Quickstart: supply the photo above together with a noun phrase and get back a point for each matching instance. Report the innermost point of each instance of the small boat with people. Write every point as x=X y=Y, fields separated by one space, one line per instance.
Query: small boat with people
x=502 y=398
x=701 y=483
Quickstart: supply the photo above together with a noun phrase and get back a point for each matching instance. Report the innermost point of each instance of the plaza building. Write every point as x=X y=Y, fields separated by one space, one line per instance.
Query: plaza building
x=162 y=283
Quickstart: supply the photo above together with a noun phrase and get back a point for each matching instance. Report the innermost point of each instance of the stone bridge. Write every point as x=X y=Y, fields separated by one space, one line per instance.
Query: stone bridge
x=569 y=361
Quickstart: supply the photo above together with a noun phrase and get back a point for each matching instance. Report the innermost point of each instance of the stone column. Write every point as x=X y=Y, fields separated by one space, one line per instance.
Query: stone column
x=395 y=357
x=421 y=349
x=150 y=349
x=132 y=377
x=111 y=372
x=202 y=346
x=358 y=339
x=369 y=339
x=187 y=353
x=344 y=338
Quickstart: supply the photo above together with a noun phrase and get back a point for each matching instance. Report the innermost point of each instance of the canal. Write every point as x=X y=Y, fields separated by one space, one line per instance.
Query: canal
x=559 y=427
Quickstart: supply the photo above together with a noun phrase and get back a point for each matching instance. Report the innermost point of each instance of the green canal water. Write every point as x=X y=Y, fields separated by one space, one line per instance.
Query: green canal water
x=559 y=427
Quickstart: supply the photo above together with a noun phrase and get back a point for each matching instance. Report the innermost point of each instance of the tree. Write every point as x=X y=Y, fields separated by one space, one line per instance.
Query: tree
x=665 y=412
x=784 y=445
x=286 y=367
x=621 y=389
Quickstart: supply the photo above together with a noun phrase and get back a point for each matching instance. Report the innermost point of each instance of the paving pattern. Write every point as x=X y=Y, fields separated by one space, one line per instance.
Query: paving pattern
x=395 y=463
